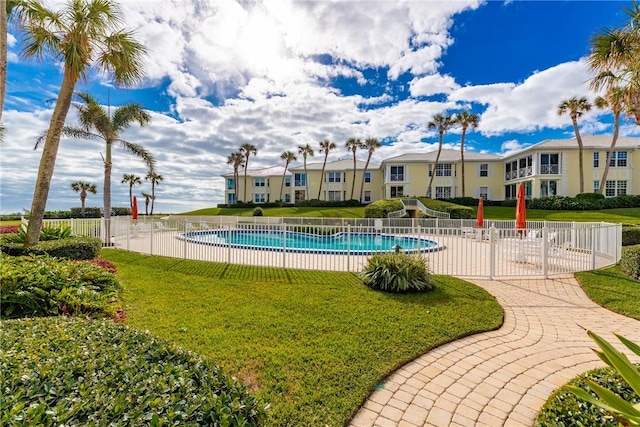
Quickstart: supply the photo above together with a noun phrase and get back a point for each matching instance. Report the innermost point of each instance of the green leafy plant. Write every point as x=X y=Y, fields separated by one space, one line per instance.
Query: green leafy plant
x=258 y=211
x=397 y=273
x=78 y=248
x=630 y=261
x=624 y=412
x=47 y=233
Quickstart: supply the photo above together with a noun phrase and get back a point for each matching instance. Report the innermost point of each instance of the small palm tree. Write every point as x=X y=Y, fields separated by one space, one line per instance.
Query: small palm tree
x=83 y=33
x=154 y=178
x=247 y=150
x=615 y=100
x=147 y=198
x=236 y=160
x=442 y=123
x=306 y=150
x=465 y=119
x=576 y=107
x=288 y=157
x=371 y=144
x=352 y=145
x=132 y=180
x=325 y=147
x=83 y=188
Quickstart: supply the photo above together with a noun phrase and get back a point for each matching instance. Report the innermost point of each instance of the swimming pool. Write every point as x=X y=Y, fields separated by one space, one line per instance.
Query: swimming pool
x=338 y=243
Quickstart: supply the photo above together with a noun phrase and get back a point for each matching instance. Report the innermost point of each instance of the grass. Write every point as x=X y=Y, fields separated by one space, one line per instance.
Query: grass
x=613 y=290
x=624 y=216
x=313 y=212
x=314 y=344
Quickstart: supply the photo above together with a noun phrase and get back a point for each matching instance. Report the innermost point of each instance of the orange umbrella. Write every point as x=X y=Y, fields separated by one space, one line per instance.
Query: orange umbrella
x=134 y=210
x=521 y=209
x=480 y=221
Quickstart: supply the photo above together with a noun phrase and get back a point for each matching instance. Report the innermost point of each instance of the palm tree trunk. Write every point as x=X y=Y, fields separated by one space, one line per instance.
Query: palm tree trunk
x=236 y=176
x=364 y=172
x=322 y=176
x=48 y=159
x=246 y=166
x=306 y=179
x=464 y=134
x=153 y=194
x=106 y=197
x=353 y=184
x=282 y=183
x=635 y=105
x=580 y=153
x=83 y=198
x=131 y=195
x=616 y=128
x=435 y=166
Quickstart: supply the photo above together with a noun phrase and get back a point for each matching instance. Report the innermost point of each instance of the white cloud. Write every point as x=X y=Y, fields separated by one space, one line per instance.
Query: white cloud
x=512 y=146
x=433 y=84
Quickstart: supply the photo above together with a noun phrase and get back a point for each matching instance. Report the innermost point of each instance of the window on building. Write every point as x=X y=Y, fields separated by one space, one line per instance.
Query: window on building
x=483 y=193
x=334 y=196
x=259 y=182
x=397 y=173
x=367 y=177
x=596 y=186
x=484 y=169
x=510 y=191
x=397 y=191
x=367 y=196
x=287 y=181
x=258 y=198
x=299 y=180
x=550 y=164
x=443 y=169
x=443 y=192
x=548 y=188
x=287 y=198
x=618 y=159
x=299 y=196
x=230 y=184
x=231 y=198
x=615 y=188
x=596 y=160
x=333 y=177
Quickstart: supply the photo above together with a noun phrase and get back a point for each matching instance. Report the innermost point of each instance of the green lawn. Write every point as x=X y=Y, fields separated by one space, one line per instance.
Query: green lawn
x=611 y=289
x=314 y=344
x=350 y=212
x=624 y=216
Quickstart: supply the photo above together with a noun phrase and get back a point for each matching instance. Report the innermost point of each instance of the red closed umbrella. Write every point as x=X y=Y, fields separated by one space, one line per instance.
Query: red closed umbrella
x=521 y=209
x=480 y=221
x=134 y=210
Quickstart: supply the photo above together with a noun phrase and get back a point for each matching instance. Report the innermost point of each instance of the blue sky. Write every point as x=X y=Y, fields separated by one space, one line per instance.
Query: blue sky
x=280 y=73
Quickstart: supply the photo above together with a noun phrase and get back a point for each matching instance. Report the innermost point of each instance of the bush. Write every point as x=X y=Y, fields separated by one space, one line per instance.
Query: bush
x=77 y=248
x=315 y=203
x=105 y=264
x=258 y=211
x=397 y=273
x=6 y=229
x=630 y=261
x=590 y=196
x=584 y=202
x=46 y=234
x=630 y=235
x=120 y=211
x=44 y=286
x=70 y=371
x=381 y=208
x=464 y=201
x=88 y=213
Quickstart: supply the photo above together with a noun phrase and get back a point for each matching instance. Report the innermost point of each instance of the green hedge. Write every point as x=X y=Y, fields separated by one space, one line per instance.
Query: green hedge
x=563 y=408
x=78 y=248
x=381 y=208
x=88 y=213
x=630 y=235
x=584 y=203
x=454 y=210
x=45 y=286
x=630 y=261
x=70 y=371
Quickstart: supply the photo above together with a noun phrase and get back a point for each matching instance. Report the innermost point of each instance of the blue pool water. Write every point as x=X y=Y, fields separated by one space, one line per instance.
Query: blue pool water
x=339 y=243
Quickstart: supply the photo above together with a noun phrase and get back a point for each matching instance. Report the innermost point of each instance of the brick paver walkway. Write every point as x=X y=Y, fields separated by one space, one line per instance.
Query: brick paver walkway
x=503 y=377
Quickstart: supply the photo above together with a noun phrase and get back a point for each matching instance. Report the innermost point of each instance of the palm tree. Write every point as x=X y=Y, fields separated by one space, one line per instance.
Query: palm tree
x=352 y=145
x=147 y=198
x=83 y=188
x=84 y=32
x=464 y=119
x=236 y=160
x=306 y=150
x=615 y=100
x=614 y=59
x=371 y=144
x=247 y=150
x=442 y=123
x=97 y=125
x=325 y=147
x=6 y=12
x=576 y=107
x=155 y=179
x=288 y=157
x=132 y=180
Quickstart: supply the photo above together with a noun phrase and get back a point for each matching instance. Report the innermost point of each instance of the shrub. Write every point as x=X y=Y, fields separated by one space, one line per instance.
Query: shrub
x=120 y=211
x=105 y=264
x=397 y=273
x=590 y=196
x=630 y=235
x=78 y=248
x=6 y=229
x=71 y=371
x=44 y=286
x=464 y=201
x=88 y=213
x=630 y=261
x=315 y=203
x=258 y=211
x=381 y=208
x=46 y=234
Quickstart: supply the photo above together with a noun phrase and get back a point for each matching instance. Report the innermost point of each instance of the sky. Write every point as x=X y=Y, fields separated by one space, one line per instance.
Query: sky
x=283 y=73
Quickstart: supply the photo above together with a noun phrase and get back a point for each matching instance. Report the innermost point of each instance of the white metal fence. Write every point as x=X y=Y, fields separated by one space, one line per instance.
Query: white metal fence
x=452 y=247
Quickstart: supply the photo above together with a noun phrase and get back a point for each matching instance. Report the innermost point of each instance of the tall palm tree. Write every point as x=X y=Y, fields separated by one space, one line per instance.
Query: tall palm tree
x=613 y=57
x=442 y=123
x=236 y=160
x=352 y=145
x=465 y=119
x=83 y=188
x=147 y=198
x=325 y=147
x=371 y=144
x=615 y=100
x=7 y=8
x=154 y=178
x=83 y=33
x=288 y=157
x=97 y=125
x=131 y=179
x=247 y=150
x=576 y=107
x=306 y=150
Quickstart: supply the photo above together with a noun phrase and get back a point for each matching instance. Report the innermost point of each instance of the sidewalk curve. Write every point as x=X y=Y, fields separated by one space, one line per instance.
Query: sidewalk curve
x=503 y=377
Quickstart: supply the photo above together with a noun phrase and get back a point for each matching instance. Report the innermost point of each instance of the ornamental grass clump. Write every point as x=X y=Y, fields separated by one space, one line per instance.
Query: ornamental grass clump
x=397 y=273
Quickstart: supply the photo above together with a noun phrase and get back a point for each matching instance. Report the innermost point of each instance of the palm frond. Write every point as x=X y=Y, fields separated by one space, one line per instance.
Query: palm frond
x=138 y=151
x=123 y=57
x=125 y=115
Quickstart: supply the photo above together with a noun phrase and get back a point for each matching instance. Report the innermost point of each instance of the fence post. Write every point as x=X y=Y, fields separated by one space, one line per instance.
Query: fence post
x=229 y=243
x=545 y=252
x=184 y=235
x=492 y=252
x=348 y=247
x=151 y=236
x=593 y=247
x=284 y=245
